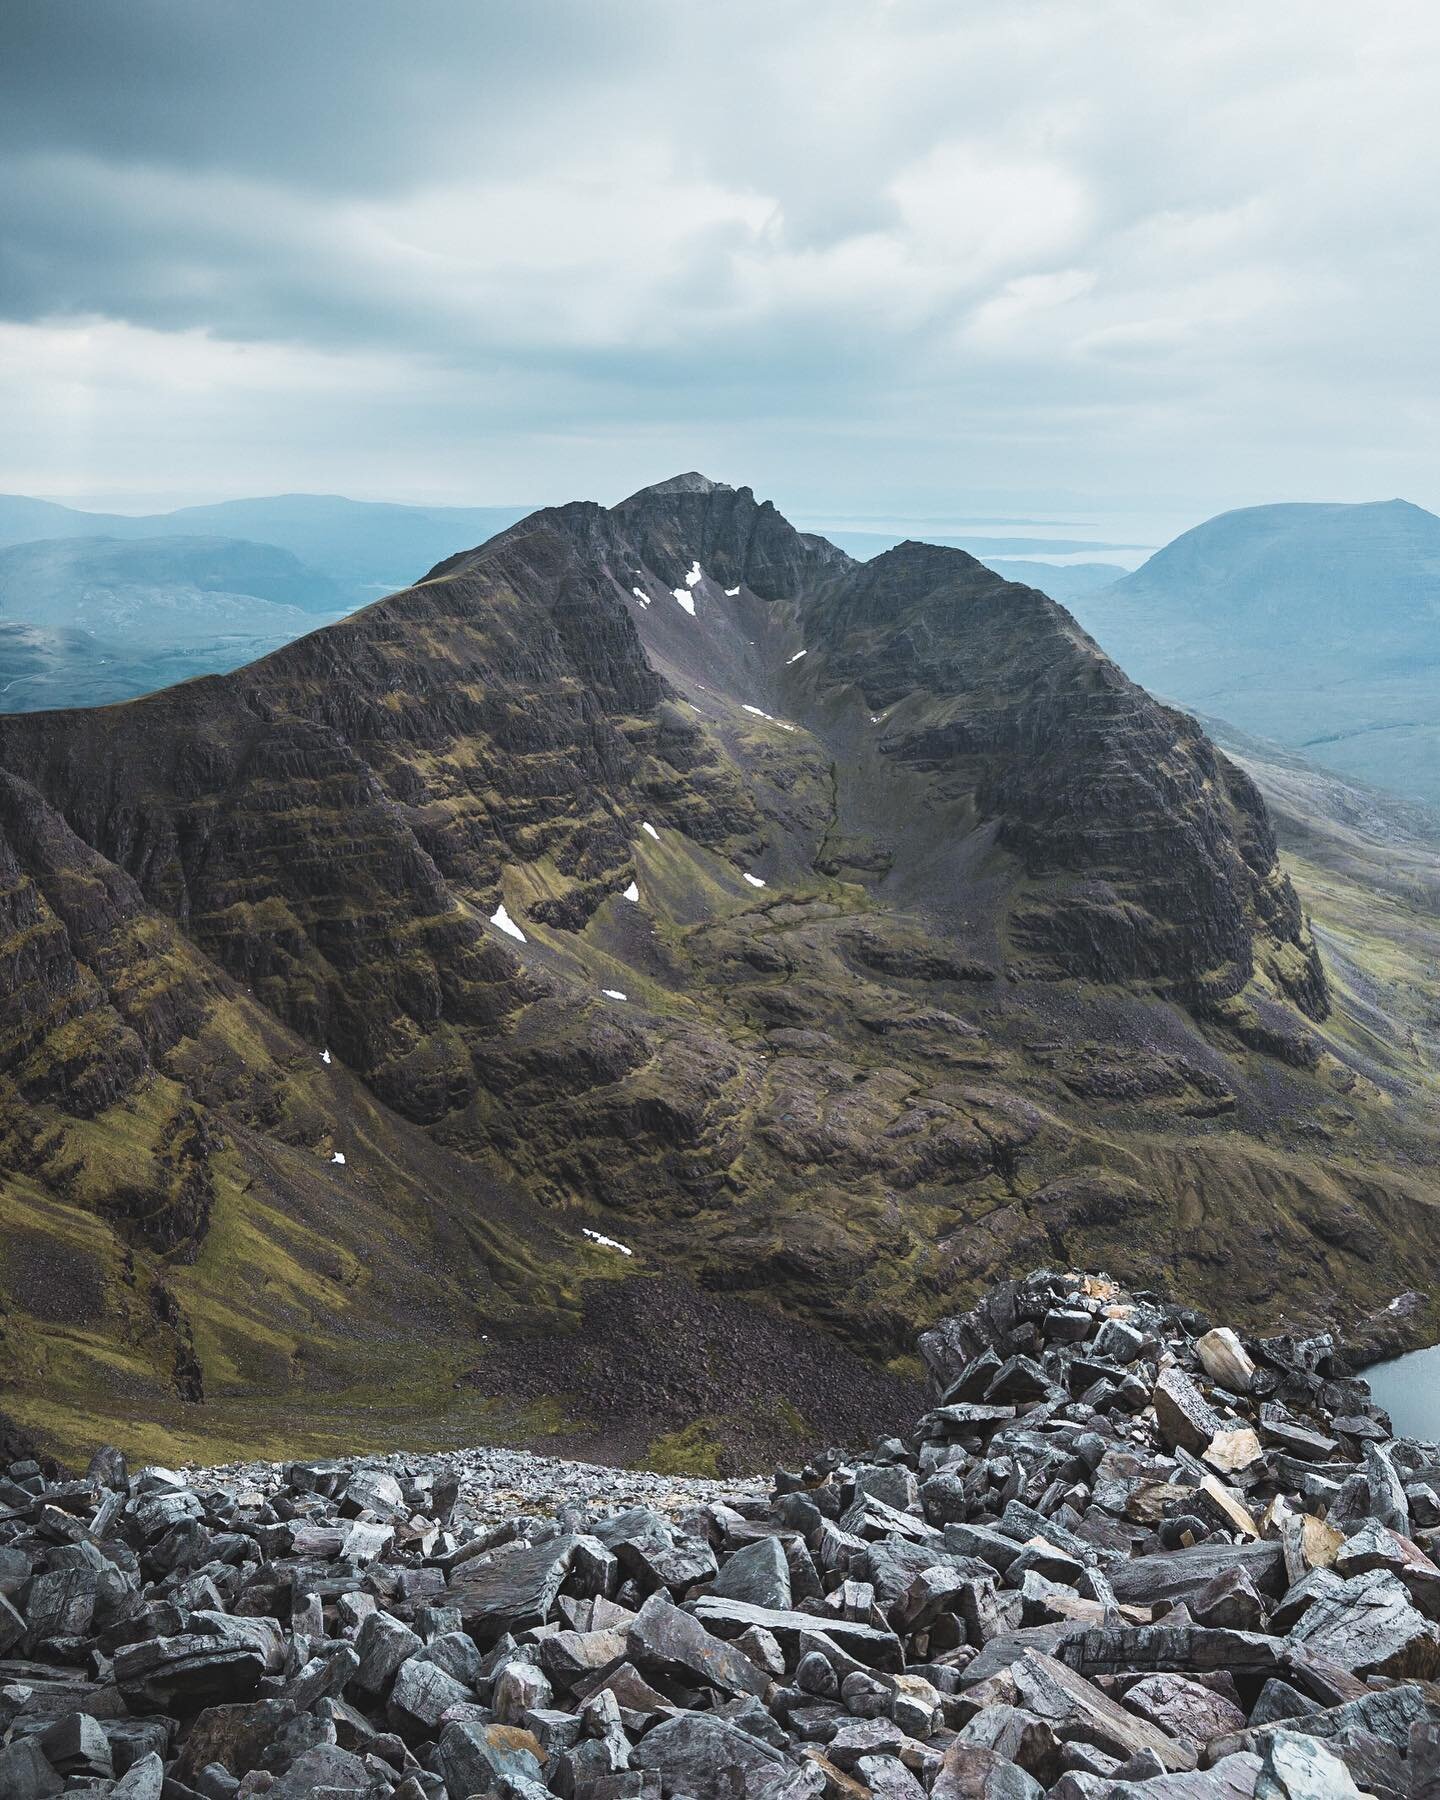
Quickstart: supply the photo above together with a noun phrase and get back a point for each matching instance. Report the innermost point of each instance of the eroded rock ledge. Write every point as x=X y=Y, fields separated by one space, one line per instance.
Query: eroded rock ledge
x=1126 y=1553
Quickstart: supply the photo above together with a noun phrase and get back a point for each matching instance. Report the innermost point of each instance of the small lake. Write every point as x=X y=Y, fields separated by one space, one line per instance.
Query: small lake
x=1409 y=1390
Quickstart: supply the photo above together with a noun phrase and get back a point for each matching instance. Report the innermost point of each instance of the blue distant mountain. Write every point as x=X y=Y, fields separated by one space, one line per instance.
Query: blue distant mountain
x=368 y=548
x=1317 y=626
x=85 y=620
x=99 y=607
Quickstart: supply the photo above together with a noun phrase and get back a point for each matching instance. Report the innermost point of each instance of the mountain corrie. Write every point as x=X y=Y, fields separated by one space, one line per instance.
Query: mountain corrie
x=834 y=987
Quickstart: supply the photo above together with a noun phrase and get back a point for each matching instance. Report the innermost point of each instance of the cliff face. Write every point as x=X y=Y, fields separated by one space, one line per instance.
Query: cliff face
x=1151 y=855
x=848 y=899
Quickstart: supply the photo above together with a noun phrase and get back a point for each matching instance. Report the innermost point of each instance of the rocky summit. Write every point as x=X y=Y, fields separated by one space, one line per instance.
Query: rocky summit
x=654 y=940
x=1126 y=1552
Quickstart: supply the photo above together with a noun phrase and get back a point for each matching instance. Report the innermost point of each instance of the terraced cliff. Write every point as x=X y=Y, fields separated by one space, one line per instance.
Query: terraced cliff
x=833 y=937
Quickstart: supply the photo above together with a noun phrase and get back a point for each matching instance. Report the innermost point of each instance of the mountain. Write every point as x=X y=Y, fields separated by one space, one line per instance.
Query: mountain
x=1062 y=581
x=103 y=584
x=653 y=942
x=1316 y=626
x=366 y=548
x=92 y=619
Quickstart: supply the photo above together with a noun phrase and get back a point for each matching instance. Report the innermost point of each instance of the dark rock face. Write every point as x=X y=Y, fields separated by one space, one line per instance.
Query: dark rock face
x=499 y=712
x=1001 y=699
x=855 y=904
x=1044 y=1597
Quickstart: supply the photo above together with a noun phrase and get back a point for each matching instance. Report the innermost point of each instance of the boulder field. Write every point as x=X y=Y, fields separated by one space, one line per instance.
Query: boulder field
x=1126 y=1552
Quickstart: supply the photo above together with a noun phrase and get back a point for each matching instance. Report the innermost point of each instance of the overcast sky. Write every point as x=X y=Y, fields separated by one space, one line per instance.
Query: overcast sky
x=903 y=260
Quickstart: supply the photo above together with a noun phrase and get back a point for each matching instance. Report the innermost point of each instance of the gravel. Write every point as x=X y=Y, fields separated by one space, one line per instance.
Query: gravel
x=495 y=1484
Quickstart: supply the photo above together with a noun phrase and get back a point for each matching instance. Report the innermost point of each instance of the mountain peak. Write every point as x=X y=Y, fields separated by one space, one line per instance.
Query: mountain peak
x=692 y=482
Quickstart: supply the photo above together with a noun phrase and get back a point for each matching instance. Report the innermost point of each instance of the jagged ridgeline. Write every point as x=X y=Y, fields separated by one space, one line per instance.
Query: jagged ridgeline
x=616 y=989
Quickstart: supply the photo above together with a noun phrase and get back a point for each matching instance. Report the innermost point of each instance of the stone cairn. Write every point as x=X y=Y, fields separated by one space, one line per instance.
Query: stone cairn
x=1125 y=1554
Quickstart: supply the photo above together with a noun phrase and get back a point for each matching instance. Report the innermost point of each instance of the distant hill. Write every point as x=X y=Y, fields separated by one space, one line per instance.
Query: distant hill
x=863 y=545
x=42 y=670
x=99 y=607
x=88 y=620
x=71 y=581
x=1061 y=581
x=1316 y=626
x=1366 y=865
x=367 y=548
x=1009 y=557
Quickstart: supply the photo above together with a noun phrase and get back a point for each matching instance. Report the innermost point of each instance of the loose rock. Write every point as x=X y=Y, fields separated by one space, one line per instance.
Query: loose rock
x=1124 y=1554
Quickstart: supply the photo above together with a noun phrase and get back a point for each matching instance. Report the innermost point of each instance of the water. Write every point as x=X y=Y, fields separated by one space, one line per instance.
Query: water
x=1409 y=1390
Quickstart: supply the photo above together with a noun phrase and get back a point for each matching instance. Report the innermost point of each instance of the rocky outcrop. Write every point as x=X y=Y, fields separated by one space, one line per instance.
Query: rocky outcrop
x=1124 y=1553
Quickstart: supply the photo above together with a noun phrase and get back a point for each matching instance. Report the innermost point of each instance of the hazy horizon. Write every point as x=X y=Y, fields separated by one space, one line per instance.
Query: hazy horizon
x=1125 y=539
x=1138 y=533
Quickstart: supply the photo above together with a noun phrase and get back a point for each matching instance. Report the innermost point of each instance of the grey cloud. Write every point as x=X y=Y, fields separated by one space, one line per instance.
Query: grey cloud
x=949 y=249
x=335 y=95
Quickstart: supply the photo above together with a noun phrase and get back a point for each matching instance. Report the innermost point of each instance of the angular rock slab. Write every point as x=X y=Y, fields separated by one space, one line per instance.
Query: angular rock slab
x=707 y=1758
x=728 y=1618
x=182 y=1673
x=1186 y=1419
x=511 y=1590
x=1075 y=1708
x=665 y=1641
x=757 y=1573
x=1369 y=1627
x=1225 y=1360
x=1297 y=1767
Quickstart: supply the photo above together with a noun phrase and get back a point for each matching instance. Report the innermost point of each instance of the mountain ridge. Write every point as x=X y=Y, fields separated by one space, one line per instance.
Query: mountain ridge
x=946 y=942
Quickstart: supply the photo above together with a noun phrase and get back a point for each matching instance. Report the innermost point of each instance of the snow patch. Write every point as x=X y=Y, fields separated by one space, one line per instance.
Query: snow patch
x=795 y=658
x=686 y=599
x=325 y=1056
x=502 y=921
x=730 y=593
x=754 y=880
x=632 y=892
x=339 y=1157
x=769 y=716
x=694 y=578
x=605 y=1243
x=614 y=994
x=641 y=596
x=650 y=830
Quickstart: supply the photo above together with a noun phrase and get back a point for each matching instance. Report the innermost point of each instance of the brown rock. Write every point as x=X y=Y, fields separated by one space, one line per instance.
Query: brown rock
x=1225 y=1360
